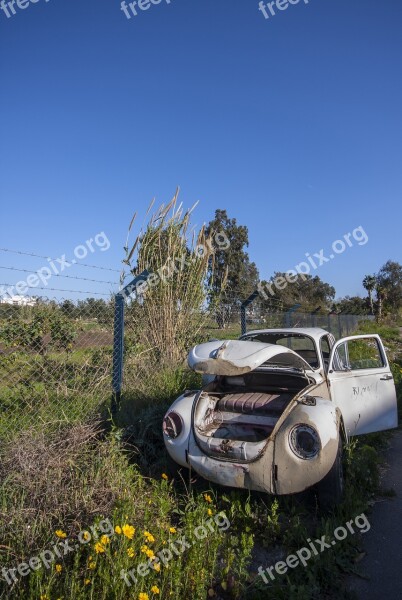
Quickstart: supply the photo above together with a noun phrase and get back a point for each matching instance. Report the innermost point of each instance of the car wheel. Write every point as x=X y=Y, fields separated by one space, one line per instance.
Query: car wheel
x=330 y=489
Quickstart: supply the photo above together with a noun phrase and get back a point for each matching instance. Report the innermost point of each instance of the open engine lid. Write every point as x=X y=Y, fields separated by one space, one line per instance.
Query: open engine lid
x=237 y=357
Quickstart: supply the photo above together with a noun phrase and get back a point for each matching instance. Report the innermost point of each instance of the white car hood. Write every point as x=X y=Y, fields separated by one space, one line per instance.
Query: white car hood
x=237 y=357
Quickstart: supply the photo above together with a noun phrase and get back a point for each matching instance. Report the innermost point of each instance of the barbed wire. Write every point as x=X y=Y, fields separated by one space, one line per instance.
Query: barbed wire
x=57 y=290
x=58 y=275
x=81 y=264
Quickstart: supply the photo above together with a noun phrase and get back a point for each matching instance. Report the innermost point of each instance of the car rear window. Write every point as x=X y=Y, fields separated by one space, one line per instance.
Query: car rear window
x=301 y=344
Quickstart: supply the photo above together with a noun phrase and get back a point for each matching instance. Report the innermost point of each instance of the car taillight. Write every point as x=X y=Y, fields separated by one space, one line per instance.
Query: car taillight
x=173 y=425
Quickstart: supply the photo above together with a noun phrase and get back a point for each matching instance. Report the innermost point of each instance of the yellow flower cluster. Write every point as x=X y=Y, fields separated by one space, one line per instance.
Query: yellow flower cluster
x=208 y=498
x=148 y=551
x=149 y=536
x=60 y=534
x=99 y=548
x=128 y=531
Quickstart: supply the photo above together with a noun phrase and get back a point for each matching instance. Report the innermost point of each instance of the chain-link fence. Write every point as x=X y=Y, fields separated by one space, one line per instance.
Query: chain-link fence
x=60 y=359
x=254 y=314
x=339 y=325
x=55 y=361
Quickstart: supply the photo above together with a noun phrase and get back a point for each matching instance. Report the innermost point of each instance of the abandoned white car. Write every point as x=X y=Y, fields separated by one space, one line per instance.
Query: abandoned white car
x=277 y=406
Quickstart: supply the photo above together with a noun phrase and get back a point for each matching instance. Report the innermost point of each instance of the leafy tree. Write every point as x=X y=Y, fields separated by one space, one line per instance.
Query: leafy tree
x=352 y=305
x=311 y=292
x=389 y=286
x=68 y=308
x=381 y=292
x=231 y=274
x=369 y=284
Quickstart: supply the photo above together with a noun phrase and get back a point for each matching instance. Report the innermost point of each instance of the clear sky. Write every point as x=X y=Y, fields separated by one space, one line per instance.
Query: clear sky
x=292 y=123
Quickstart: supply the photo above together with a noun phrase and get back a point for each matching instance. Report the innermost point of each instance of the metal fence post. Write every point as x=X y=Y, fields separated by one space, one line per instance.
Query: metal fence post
x=288 y=315
x=243 y=315
x=118 y=351
x=314 y=316
x=118 y=338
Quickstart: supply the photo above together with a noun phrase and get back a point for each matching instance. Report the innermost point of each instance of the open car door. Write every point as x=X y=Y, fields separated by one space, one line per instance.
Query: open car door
x=361 y=384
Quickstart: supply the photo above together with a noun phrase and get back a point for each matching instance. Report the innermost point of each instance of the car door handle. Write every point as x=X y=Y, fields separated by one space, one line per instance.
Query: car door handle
x=386 y=377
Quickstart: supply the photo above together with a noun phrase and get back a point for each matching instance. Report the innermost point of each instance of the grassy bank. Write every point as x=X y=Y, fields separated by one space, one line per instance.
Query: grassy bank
x=117 y=485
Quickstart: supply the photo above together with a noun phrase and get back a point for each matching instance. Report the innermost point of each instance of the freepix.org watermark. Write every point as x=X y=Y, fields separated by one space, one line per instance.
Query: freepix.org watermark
x=302 y=556
x=8 y=7
x=269 y=9
x=131 y=9
x=61 y=549
x=314 y=262
x=57 y=266
x=176 y=548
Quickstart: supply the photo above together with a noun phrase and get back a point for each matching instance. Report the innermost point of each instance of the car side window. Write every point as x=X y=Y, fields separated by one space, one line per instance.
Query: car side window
x=325 y=349
x=341 y=358
x=355 y=355
x=365 y=354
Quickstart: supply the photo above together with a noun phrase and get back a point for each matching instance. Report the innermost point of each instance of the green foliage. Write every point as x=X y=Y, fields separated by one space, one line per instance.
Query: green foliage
x=389 y=280
x=352 y=305
x=30 y=334
x=311 y=292
x=231 y=271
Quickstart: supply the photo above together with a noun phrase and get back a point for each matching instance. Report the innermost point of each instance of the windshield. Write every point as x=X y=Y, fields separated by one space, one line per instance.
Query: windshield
x=299 y=343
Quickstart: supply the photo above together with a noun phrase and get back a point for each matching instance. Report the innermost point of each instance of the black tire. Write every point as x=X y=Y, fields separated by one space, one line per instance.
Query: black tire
x=330 y=489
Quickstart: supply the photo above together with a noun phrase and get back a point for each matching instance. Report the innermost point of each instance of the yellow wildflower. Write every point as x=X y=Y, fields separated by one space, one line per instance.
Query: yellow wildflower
x=143 y=596
x=118 y=529
x=155 y=589
x=210 y=513
x=131 y=552
x=150 y=554
x=92 y=565
x=164 y=476
x=44 y=597
x=128 y=531
x=172 y=529
x=208 y=498
x=58 y=568
x=86 y=535
x=99 y=548
x=149 y=536
x=144 y=548
x=87 y=581
x=105 y=540
x=157 y=567
x=60 y=533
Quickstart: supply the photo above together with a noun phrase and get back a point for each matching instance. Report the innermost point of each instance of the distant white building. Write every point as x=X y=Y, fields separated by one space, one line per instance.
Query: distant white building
x=18 y=300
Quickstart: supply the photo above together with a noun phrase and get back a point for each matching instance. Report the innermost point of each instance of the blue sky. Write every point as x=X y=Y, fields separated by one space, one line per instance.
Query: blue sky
x=293 y=124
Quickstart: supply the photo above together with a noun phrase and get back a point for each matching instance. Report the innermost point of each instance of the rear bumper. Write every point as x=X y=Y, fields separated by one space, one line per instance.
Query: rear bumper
x=257 y=475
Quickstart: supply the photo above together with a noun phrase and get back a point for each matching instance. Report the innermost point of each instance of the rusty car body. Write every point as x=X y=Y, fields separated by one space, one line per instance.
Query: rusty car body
x=277 y=406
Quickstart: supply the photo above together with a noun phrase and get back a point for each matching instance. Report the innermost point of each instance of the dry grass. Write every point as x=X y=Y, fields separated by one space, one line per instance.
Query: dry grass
x=64 y=478
x=174 y=305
